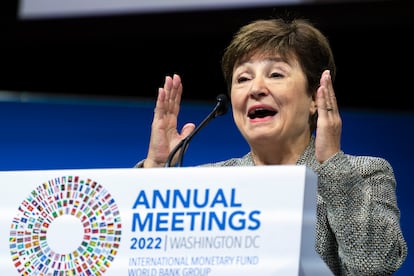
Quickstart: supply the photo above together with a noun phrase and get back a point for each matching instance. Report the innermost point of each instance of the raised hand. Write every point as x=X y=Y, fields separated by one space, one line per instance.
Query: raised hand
x=329 y=125
x=164 y=133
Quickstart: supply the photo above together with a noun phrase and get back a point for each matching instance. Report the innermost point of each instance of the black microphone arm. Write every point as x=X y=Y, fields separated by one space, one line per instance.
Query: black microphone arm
x=221 y=108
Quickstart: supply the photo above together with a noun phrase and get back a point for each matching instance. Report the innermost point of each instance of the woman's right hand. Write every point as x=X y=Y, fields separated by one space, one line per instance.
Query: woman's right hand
x=164 y=133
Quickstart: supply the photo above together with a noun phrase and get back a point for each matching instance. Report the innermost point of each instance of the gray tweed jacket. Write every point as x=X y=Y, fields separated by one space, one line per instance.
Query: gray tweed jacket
x=358 y=230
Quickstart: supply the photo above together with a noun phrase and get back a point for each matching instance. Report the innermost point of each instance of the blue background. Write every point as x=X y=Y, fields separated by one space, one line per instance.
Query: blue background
x=39 y=133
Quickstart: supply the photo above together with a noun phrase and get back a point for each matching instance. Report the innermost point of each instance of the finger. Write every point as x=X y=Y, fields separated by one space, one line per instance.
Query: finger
x=177 y=90
x=168 y=85
x=159 y=109
x=326 y=98
x=187 y=129
x=331 y=92
x=321 y=101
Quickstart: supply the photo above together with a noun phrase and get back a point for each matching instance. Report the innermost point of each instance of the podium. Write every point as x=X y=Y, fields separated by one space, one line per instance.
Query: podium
x=192 y=221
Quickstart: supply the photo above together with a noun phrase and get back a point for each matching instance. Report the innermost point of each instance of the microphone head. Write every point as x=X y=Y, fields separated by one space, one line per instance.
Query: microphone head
x=222 y=105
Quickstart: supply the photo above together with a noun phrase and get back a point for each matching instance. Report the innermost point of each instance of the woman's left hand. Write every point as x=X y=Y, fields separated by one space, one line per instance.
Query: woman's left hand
x=329 y=125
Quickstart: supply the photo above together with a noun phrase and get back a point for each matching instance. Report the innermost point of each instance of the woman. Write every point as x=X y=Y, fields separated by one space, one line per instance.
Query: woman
x=279 y=75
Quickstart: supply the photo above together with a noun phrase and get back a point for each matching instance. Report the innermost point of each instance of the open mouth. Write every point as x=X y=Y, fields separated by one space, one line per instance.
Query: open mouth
x=261 y=113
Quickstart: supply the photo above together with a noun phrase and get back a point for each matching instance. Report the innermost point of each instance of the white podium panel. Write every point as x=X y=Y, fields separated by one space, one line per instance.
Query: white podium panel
x=156 y=222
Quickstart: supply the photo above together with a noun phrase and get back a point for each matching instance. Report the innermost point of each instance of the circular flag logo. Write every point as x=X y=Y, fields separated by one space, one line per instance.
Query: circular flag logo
x=66 y=226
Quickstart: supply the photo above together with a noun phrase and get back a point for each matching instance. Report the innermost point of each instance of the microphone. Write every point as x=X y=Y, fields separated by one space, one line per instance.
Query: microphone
x=220 y=109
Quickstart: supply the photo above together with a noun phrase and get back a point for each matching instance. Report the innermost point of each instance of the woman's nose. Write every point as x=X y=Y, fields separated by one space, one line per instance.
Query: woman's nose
x=258 y=87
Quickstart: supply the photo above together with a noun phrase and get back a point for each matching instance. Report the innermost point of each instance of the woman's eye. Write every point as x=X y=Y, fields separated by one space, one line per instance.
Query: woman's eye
x=242 y=79
x=276 y=75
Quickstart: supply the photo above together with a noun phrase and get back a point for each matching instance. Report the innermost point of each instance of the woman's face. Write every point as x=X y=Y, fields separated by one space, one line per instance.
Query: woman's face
x=269 y=100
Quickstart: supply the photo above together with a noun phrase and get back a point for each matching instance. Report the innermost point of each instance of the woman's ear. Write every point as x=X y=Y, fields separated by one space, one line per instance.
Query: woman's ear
x=313 y=108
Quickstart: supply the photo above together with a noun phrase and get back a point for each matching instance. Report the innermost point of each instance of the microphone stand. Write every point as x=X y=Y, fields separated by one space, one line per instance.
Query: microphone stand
x=220 y=109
